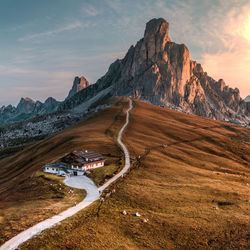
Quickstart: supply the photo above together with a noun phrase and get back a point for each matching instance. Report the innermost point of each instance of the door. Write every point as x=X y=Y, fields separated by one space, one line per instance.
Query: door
x=75 y=173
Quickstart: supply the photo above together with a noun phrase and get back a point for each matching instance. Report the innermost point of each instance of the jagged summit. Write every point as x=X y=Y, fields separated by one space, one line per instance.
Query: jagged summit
x=161 y=72
x=78 y=84
x=156 y=25
x=156 y=36
x=27 y=99
x=27 y=108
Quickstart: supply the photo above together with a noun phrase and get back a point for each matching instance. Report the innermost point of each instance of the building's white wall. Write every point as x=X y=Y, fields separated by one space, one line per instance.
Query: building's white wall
x=52 y=170
x=79 y=169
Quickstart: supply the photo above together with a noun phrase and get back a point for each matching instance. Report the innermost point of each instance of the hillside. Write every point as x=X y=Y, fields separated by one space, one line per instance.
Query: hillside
x=28 y=196
x=20 y=166
x=190 y=178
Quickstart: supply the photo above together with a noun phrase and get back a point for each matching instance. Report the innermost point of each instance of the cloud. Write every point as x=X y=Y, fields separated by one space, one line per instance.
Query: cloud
x=71 y=26
x=90 y=11
x=116 y=5
x=233 y=61
x=38 y=84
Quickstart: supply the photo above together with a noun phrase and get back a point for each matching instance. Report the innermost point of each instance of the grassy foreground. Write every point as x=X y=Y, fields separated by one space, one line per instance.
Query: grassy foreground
x=28 y=196
x=36 y=199
x=190 y=179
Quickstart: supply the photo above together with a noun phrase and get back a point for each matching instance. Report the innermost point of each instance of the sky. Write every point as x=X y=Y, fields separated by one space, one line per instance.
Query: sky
x=44 y=44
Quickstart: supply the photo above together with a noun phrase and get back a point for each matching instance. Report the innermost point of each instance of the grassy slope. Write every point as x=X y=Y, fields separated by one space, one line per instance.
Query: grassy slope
x=27 y=197
x=95 y=133
x=205 y=165
x=36 y=199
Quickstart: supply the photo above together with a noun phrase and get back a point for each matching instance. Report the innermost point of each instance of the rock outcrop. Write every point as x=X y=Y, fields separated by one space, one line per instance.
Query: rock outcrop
x=161 y=72
x=78 y=84
x=247 y=101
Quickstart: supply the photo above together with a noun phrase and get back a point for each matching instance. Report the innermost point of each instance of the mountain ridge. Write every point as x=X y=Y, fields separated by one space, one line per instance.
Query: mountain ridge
x=28 y=108
x=161 y=72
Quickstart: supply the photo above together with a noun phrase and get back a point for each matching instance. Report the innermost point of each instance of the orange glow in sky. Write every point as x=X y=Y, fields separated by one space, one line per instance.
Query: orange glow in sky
x=233 y=64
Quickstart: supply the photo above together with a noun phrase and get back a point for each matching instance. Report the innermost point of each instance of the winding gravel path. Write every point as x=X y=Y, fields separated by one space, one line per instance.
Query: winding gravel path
x=78 y=182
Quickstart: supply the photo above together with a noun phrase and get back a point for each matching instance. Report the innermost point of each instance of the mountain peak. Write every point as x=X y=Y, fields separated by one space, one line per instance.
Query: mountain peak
x=156 y=37
x=161 y=72
x=27 y=99
x=78 y=84
x=156 y=26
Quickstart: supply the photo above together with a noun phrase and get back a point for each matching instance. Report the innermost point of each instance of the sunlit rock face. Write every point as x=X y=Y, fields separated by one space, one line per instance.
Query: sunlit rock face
x=78 y=84
x=161 y=72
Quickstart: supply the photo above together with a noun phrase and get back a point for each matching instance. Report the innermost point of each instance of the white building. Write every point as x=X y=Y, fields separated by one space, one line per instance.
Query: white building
x=76 y=163
x=57 y=168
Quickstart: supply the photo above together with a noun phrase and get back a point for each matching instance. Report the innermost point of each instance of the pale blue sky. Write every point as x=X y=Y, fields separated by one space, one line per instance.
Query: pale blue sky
x=45 y=43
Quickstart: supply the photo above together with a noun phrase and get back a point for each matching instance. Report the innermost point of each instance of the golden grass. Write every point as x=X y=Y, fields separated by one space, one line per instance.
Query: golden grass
x=26 y=196
x=183 y=166
x=38 y=198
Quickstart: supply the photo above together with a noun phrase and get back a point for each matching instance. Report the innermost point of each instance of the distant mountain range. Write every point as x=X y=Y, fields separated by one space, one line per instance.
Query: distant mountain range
x=28 y=108
x=155 y=70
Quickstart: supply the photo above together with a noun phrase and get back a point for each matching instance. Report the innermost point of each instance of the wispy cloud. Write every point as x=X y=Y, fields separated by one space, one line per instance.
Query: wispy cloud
x=116 y=5
x=232 y=62
x=90 y=11
x=68 y=27
x=35 y=83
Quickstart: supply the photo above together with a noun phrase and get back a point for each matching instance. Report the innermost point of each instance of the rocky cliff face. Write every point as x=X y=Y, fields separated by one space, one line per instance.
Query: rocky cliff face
x=26 y=109
x=78 y=84
x=161 y=71
x=247 y=101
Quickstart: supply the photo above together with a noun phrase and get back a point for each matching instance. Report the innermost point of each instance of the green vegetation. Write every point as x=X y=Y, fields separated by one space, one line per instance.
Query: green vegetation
x=100 y=175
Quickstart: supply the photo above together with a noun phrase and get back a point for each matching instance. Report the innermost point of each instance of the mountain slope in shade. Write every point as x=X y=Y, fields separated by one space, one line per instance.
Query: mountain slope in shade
x=161 y=72
x=247 y=99
x=26 y=109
